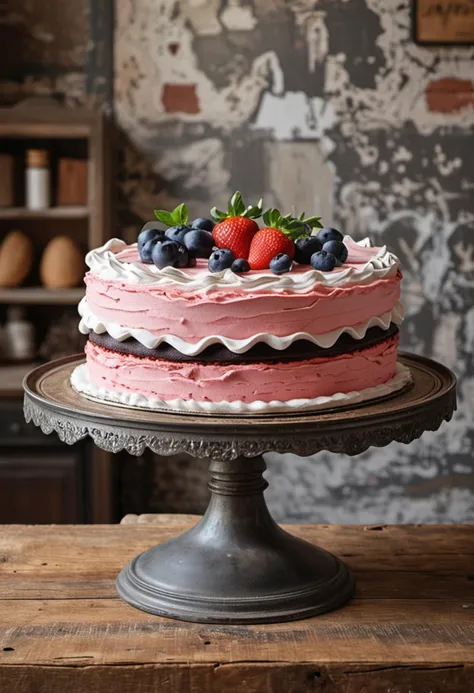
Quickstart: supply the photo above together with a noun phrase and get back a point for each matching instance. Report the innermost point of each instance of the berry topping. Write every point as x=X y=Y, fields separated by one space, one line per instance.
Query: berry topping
x=183 y=256
x=165 y=254
x=280 y=264
x=338 y=249
x=205 y=224
x=145 y=251
x=221 y=259
x=149 y=232
x=277 y=237
x=323 y=261
x=177 y=233
x=199 y=243
x=240 y=266
x=305 y=247
x=328 y=234
x=236 y=227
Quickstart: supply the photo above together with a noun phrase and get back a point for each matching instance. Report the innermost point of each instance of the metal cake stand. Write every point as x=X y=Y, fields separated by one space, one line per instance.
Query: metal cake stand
x=237 y=565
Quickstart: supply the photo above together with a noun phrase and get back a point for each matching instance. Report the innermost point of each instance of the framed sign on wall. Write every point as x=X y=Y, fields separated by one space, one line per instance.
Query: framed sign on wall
x=444 y=22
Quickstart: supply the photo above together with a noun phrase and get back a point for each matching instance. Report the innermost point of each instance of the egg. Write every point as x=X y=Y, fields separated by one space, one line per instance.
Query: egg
x=16 y=259
x=62 y=264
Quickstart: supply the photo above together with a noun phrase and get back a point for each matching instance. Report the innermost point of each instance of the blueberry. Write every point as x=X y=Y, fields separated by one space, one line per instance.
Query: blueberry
x=149 y=231
x=205 y=224
x=323 y=261
x=177 y=233
x=338 y=249
x=145 y=251
x=221 y=259
x=199 y=243
x=328 y=234
x=305 y=247
x=183 y=256
x=280 y=264
x=240 y=266
x=165 y=254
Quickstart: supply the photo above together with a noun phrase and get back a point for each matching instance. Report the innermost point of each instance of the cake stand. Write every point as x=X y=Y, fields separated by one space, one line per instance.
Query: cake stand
x=237 y=565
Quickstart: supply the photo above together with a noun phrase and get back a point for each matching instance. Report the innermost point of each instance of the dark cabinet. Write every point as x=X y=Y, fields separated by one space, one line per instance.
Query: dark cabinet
x=45 y=481
x=41 y=486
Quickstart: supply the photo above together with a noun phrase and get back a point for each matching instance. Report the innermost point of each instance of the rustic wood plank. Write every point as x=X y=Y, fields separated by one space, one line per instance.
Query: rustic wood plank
x=345 y=539
x=239 y=677
x=410 y=627
x=159 y=519
x=99 y=583
x=387 y=632
x=67 y=559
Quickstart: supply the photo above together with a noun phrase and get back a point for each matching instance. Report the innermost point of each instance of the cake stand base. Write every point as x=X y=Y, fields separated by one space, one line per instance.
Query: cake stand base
x=236 y=565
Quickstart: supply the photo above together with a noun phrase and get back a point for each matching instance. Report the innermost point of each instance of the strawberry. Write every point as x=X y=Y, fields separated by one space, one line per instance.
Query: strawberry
x=236 y=228
x=267 y=243
x=277 y=237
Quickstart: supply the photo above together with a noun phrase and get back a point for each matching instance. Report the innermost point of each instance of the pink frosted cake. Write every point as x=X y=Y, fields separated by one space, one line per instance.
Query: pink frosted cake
x=195 y=336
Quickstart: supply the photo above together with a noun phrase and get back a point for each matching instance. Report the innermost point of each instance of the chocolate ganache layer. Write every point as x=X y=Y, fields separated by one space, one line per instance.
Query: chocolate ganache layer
x=300 y=350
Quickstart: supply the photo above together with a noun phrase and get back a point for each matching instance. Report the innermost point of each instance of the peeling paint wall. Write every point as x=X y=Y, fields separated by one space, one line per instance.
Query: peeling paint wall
x=328 y=105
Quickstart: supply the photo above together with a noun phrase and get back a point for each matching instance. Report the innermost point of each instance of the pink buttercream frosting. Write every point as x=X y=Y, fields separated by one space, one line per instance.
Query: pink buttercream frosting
x=235 y=314
x=169 y=380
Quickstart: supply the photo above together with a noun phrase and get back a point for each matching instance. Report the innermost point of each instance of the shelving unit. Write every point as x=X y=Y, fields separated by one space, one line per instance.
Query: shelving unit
x=39 y=295
x=74 y=133
x=19 y=213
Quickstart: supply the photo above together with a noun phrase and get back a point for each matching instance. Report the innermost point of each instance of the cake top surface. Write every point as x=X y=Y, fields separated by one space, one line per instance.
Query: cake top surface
x=117 y=261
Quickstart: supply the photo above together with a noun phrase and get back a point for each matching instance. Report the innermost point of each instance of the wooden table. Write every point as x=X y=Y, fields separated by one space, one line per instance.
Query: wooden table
x=410 y=628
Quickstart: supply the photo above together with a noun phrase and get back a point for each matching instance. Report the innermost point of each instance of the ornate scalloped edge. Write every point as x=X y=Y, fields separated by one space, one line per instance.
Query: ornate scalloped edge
x=112 y=440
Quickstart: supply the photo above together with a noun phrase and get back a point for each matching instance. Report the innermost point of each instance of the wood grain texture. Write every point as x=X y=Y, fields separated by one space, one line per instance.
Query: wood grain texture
x=444 y=21
x=410 y=626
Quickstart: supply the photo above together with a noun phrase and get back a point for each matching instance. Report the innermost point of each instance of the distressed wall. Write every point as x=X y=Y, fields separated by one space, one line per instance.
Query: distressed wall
x=329 y=106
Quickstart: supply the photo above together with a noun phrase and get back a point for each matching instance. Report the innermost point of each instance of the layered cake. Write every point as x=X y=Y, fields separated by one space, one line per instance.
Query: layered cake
x=237 y=317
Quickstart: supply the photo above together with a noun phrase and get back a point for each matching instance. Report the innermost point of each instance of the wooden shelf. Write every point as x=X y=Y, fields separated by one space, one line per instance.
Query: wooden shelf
x=50 y=122
x=78 y=212
x=39 y=295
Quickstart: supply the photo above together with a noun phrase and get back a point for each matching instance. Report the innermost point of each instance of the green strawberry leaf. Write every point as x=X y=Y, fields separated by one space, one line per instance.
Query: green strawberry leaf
x=165 y=217
x=268 y=217
x=296 y=233
x=295 y=224
x=273 y=218
x=252 y=212
x=314 y=222
x=236 y=205
x=237 y=208
x=218 y=215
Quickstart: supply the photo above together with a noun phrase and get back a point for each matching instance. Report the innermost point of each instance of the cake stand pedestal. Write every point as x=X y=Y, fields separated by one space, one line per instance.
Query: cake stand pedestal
x=237 y=565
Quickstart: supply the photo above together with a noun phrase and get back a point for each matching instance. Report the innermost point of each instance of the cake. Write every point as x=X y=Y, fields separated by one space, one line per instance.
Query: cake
x=228 y=323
